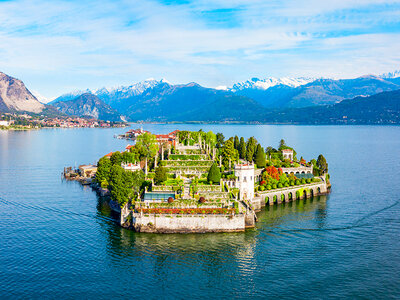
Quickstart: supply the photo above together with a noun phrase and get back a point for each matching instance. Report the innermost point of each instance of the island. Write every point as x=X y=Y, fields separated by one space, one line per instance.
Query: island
x=196 y=181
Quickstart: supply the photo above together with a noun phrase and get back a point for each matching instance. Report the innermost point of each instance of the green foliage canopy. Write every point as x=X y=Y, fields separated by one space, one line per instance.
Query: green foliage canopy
x=220 y=139
x=260 y=157
x=251 y=148
x=103 y=170
x=146 y=145
x=214 y=174
x=124 y=184
x=242 y=148
x=160 y=175
x=229 y=153
x=322 y=164
x=116 y=158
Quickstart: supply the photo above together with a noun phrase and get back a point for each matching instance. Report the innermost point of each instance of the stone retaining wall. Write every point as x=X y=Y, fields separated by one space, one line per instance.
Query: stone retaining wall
x=289 y=194
x=188 y=223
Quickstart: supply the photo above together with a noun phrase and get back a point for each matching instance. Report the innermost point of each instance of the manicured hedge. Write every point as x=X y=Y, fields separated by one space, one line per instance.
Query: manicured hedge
x=187 y=157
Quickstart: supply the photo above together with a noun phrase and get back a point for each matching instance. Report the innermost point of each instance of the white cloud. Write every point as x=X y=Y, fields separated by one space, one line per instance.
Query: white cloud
x=60 y=45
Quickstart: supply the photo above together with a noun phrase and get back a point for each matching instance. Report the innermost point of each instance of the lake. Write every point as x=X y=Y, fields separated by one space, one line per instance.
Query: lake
x=58 y=240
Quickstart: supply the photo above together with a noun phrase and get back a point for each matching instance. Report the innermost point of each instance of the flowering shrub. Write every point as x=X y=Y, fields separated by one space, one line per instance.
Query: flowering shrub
x=273 y=172
x=189 y=211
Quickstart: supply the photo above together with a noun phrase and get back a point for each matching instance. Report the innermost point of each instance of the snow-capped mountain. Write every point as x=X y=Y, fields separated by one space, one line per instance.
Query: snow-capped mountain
x=123 y=92
x=264 y=84
x=390 y=75
x=109 y=95
x=70 y=96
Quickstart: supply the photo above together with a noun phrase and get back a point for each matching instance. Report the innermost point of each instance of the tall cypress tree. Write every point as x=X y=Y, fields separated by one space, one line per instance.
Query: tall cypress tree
x=236 y=142
x=251 y=148
x=242 y=148
x=260 y=157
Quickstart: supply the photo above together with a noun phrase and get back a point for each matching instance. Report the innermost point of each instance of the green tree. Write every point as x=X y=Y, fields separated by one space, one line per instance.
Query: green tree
x=160 y=175
x=282 y=144
x=236 y=142
x=315 y=167
x=322 y=164
x=129 y=157
x=116 y=158
x=242 y=148
x=119 y=188
x=270 y=150
x=103 y=170
x=124 y=184
x=220 y=139
x=211 y=138
x=251 y=148
x=229 y=153
x=147 y=146
x=214 y=174
x=260 y=157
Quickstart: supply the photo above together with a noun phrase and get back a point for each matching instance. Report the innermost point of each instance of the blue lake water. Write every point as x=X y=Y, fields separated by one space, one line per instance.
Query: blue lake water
x=58 y=240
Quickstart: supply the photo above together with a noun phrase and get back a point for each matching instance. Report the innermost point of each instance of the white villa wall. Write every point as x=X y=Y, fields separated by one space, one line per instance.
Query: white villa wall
x=245 y=181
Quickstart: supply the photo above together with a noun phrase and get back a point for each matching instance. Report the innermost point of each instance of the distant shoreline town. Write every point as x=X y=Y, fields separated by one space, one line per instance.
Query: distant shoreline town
x=12 y=121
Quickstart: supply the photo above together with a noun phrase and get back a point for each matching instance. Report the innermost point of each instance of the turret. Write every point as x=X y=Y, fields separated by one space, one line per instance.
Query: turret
x=244 y=174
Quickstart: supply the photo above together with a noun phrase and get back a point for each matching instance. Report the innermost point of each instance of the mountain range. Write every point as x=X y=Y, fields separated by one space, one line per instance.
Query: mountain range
x=251 y=101
x=88 y=105
x=153 y=100
x=381 y=108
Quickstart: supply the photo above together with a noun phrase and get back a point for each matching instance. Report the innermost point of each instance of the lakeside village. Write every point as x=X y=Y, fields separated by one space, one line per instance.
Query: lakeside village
x=195 y=181
x=11 y=121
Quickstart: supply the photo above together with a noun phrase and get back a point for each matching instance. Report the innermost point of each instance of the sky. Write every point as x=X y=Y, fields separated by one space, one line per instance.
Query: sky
x=60 y=46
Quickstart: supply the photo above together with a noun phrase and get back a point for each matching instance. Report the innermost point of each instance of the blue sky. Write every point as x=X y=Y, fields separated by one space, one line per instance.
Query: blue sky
x=59 y=46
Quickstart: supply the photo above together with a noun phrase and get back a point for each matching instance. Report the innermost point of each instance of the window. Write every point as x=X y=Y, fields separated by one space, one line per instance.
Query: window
x=244 y=179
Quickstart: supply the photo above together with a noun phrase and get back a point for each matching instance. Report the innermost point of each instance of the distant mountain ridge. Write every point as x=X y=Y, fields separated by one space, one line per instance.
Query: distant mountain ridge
x=381 y=108
x=264 y=84
x=88 y=105
x=319 y=92
x=110 y=94
x=391 y=75
x=190 y=102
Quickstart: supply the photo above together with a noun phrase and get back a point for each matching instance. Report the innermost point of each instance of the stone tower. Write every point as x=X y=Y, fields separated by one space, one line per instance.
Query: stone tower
x=244 y=174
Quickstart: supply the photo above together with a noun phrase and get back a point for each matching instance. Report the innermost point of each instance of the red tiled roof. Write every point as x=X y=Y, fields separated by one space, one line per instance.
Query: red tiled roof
x=109 y=154
x=287 y=150
x=174 y=132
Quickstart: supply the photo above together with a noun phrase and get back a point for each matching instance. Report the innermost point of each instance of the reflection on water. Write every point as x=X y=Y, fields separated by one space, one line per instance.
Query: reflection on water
x=301 y=214
x=296 y=213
